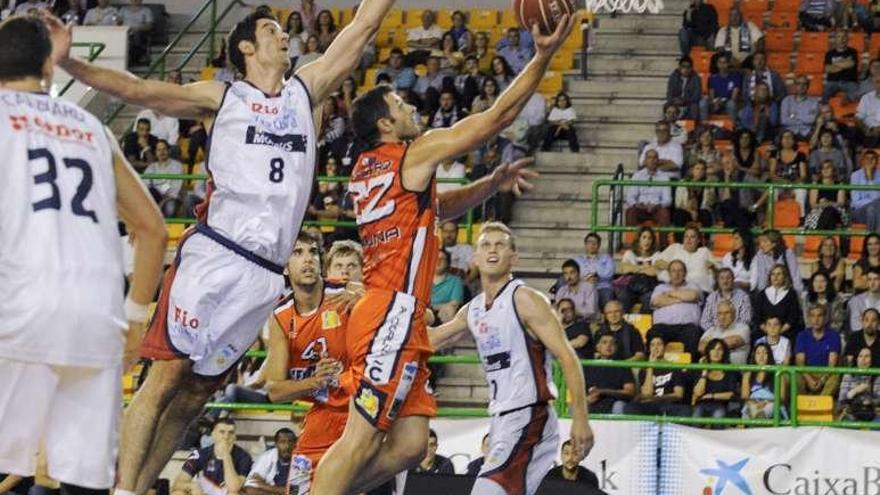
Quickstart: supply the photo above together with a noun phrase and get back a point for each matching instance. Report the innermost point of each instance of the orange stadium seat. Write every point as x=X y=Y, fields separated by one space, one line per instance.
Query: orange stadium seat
x=817 y=85
x=704 y=82
x=874 y=48
x=483 y=19
x=755 y=5
x=754 y=16
x=783 y=20
x=780 y=62
x=779 y=40
x=702 y=60
x=856 y=243
x=843 y=110
x=810 y=63
x=790 y=6
x=722 y=244
x=814 y=43
x=811 y=246
x=857 y=41
x=787 y=214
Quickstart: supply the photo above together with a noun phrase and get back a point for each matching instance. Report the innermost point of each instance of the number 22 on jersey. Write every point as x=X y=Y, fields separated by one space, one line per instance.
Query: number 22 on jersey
x=368 y=196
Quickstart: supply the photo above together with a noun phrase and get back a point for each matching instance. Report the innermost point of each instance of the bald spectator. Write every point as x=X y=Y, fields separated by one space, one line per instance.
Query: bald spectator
x=652 y=203
x=422 y=39
x=735 y=335
x=629 y=341
x=669 y=153
x=799 y=111
x=740 y=39
x=676 y=307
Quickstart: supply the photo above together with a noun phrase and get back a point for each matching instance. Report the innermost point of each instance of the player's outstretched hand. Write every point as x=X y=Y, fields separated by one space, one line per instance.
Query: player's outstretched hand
x=548 y=44
x=514 y=177
x=60 y=34
x=581 y=438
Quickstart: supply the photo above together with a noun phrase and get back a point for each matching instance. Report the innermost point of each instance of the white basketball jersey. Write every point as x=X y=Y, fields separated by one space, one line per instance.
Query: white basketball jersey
x=61 y=274
x=517 y=365
x=261 y=159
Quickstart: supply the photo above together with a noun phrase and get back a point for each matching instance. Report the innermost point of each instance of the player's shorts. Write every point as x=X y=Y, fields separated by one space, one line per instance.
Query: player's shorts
x=522 y=447
x=388 y=348
x=71 y=412
x=213 y=304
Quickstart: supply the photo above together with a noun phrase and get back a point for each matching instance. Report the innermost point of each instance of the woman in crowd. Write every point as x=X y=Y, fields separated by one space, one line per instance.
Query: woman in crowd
x=694 y=204
x=757 y=389
x=778 y=300
x=483 y=51
x=831 y=263
x=452 y=56
x=821 y=292
x=325 y=30
x=310 y=54
x=739 y=259
x=502 y=73
x=488 y=94
x=347 y=96
x=787 y=166
x=297 y=36
x=561 y=124
x=827 y=150
x=828 y=209
x=638 y=272
x=464 y=38
x=870 y=258
x=859 y=395
x=716 y=390
x=772 y=251
x=706 y=151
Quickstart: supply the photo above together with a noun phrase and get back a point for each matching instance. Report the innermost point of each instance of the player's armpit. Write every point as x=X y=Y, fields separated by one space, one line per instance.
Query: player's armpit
x=449 y=332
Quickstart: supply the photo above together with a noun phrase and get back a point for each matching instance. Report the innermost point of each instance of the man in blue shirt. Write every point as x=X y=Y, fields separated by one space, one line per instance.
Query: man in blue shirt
x=723 y=90
x=596 y=268
x=817 y=345
x=401 y=77
x=516 y=55
x=866 y=204
x=217 y=469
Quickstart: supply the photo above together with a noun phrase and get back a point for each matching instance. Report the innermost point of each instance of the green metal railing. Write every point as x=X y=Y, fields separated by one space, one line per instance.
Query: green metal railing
x=771 y=188
x=159 y=64
x=778 y=371
x=468 y=217
x=95 y=50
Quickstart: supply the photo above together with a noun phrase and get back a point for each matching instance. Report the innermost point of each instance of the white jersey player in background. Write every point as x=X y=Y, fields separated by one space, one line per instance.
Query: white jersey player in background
x=228 y=272
x=64 y=328
x=514 y=327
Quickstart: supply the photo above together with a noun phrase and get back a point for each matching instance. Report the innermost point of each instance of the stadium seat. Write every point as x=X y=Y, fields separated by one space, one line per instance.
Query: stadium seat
x=704 y=82
x=721 y=5
x=702 y=60
x=780 y=62
x=787 y=214
x=413 y=18
x=815 y=408
x=814 y=43
x=551 y=83
x=811 y=246
x=810 y=63
x=562 y=60
x=722 y=244
x=678 y=357
x=207 y=73
x=444 y=18
x=575 y=39
x=370 y=76
x=783 y=20
x=789 y=6
x=817 y=84
x=392 y=21
x=857 y=41
x=641 y=322
x=842 y=110
x=754 y=16
x=508 y=18
x=874 y=48
x=483 y=19
x=856 y=243
x=175 y=231
x=779 y=40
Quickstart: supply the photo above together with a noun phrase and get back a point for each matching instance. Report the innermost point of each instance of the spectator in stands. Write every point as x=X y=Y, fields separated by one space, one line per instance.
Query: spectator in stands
x=219 y=469
x=816 y=15
x=474 y=467
x=726 y=290
x=429 y=86
x=817 y=345
x=694 y=204
x=102 y=15
x=460 y=254
x=828 y=210
x=608 y=389
x=705 y=149
x=268 y=476
x=859 y=394
x=760 y=114
x=502 y=72
x=866 y=203
x=162 y=126
x=447 y=293
x=735 y=334
x=662 y=390
x=779 y=344
x=166 y=192
x=868 y=115
x=638 y=271
x=325 y=30
x=308 y=11
x=730 y=201
x=422 y=39
x=778 y=299
x=842 y=133
x=870 y=258
x=139 y=146
x=536 y=119
x=677 y=309
x=581 y=292
x=449 y=112
x=596 y=268
x=841 y=68
x=866 y=338
x=72 y=12
x=822 y=293
x=464 y=38
x=698 y=260
x=831 y=263
x=684 y=88
x=298 y=35
x=698 y=27
x=868 y=299
x=483 y=52
x=772 y=251
x=629 y=346
x=516 y=55
x=450 y=169
x=669 y=153
x=28 y=6
x=724 y=89
x=740 y=39
x=715 y=390
x=401 y=76
x=759 y=74
x=645 y=203
x=433 y=463
x=788 y=165
x=469 y=83
x=139 y=20
x=757 y=388
x=672 y=116
x=312 y=52
x=827 y=149
x=561 y=124
x=798 y=111
x=331 y=136
x=571 y=471
x=452 y=56
x=866 y=85
x=745 y=154
x=488 y=95
x=577 y=330
x=739 y=259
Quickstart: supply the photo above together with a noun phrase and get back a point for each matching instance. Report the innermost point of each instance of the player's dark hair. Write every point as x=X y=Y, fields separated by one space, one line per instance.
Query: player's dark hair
x=284 y=431
x=309 y=238
x=246 y=30
x=571 y=264
x=223 y=421
x=368 y=109
x=24 y=47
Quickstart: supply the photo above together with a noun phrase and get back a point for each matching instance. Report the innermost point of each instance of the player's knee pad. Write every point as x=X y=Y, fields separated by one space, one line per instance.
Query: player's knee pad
x=67 y=489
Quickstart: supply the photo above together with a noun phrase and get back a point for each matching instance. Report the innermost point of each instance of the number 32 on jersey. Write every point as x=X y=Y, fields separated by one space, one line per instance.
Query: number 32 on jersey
x=368 y=198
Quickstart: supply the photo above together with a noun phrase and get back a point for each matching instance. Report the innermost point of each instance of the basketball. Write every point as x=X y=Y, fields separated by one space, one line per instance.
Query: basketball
x=546 y=13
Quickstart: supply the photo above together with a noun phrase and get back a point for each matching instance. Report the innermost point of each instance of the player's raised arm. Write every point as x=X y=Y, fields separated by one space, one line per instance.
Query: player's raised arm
x=326 y=74
x=448 y=333
x=468 y=134
x=147 y=227
x=506 y=177
x=537 y=314
x=197 y=100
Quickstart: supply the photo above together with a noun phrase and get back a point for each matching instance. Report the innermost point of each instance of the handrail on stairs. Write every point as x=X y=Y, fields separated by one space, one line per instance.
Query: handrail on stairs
x=95 y=50
x=616 y=211
x=159 y=63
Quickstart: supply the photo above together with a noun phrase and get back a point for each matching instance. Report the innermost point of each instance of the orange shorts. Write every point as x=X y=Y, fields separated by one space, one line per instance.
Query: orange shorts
x=323 y=426
x=388 y=349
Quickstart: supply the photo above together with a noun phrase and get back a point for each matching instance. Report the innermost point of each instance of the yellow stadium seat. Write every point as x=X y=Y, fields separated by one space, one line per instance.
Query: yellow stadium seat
x=678 y=357
x=815 y=408
x=207 y=73
x=562 y=60
x=672 y=347
x=483 y=19
x=394 y=20
x=641 y=322
x=370 y=76
x=420 y=70
x=345 y=16
x=399 y=40
x=384 y=54
x=175 y=231
x=414 y=17
x=281 y=15
x=575 y=39
x=444 y=18
x=551 y=83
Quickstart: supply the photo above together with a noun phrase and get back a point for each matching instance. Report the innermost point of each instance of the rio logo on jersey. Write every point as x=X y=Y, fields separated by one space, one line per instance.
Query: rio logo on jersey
x=288 y=142
x=264 y=109
x=181 y=316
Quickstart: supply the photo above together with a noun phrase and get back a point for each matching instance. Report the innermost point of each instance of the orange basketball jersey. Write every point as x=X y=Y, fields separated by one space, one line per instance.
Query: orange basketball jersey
x=312 y=337
x=396 y=226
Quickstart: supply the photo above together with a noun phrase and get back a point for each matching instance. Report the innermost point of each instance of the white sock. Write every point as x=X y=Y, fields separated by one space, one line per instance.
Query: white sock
x=119 y=491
